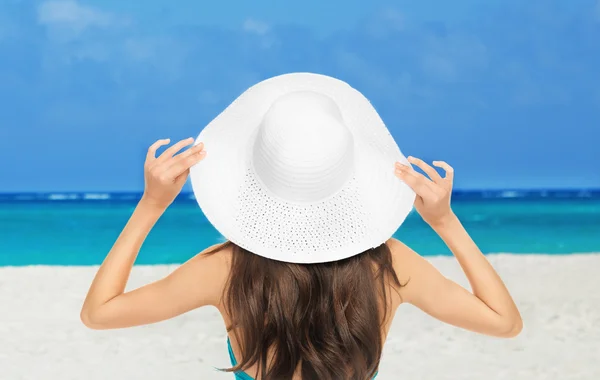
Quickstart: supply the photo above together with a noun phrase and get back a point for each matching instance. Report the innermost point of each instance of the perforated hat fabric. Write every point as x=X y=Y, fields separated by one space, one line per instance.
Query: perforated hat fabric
x=300 y=168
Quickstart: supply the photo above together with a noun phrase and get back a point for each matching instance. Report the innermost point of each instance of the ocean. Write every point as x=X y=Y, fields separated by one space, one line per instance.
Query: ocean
x=80 y=228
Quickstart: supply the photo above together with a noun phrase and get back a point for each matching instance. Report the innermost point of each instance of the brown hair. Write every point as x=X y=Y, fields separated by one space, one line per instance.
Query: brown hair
x=325 y=316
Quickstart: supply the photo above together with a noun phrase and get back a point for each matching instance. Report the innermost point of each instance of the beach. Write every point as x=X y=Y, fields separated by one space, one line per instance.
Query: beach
x=42 y=337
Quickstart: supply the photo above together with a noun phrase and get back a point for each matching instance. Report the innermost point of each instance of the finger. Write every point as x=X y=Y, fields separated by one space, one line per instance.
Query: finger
x=447 y=168
x=431 y=172
x=418 y=201
x=410 y=171
x=183 y=155
x=151 y=155
x=416 y=183
x=169 y=152
x=178 y=159
x=185 y=164
x=183 y=176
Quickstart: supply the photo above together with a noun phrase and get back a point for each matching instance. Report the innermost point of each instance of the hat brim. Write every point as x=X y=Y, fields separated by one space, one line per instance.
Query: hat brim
x=362 y=215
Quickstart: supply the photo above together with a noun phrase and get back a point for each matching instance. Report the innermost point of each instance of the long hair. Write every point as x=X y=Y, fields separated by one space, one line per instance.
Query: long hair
x=325 y=317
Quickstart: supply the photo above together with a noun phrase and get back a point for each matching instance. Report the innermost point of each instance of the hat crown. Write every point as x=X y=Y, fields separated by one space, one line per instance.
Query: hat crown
x=303 y=151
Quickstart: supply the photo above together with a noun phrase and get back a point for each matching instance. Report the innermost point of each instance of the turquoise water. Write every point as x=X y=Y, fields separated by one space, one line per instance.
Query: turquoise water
x=81 y=232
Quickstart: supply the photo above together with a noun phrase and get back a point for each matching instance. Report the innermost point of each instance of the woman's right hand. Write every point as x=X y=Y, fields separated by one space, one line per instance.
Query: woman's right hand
x=433 y=193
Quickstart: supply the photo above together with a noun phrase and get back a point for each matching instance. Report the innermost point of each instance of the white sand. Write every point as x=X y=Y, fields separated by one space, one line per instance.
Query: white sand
x=42 y=338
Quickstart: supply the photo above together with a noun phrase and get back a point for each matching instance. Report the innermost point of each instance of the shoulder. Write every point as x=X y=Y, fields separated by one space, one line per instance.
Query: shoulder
x=208 y=272
x=218 y=259
x=402 y=255
x=422 y=278
x=408 y=266
x=401 y=258
x=217 y=253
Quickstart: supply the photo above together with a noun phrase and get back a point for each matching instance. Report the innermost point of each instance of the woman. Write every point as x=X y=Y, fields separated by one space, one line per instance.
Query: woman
x=308 y=186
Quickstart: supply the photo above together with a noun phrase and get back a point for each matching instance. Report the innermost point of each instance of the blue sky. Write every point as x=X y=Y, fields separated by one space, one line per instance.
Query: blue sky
x=508 y=92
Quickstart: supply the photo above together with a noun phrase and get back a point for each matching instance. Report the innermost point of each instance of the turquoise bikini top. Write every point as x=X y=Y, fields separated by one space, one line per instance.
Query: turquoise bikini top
x=243 y=375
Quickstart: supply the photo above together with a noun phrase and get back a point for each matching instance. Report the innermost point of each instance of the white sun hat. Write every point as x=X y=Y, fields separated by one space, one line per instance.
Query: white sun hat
x=300 y=168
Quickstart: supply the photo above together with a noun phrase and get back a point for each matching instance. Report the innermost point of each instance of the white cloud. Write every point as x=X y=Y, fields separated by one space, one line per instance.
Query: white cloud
x=208 y=97
x=138 y=49
x=267 y=40
x=255 y=26
x=357 y=66
x=7 y=28
x=395 y=19
x=73 y=15
x=164 y=54
x=440 y=67
x=98 y=52
x=384 y=22
x=453 y=56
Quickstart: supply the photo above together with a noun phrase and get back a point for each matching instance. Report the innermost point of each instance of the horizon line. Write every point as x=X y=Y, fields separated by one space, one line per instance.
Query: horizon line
x=74 y=196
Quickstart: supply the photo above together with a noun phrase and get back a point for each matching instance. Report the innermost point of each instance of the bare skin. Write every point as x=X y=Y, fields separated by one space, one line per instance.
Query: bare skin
x=488 y=309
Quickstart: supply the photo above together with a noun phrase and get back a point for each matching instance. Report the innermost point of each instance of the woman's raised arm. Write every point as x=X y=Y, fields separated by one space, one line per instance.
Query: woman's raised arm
x=489 y=309
x=193 y=284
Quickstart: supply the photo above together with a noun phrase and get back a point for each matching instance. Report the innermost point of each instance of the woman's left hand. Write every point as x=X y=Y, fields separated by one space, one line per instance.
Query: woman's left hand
x=165 y=176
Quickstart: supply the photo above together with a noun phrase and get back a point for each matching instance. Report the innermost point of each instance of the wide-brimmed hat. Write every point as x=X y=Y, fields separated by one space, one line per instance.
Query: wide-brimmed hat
x=300 y=168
